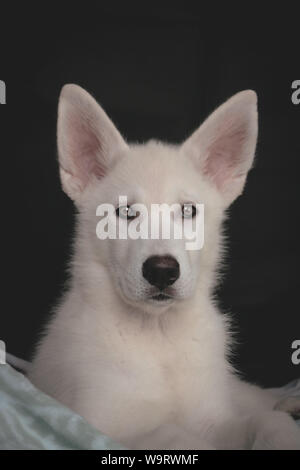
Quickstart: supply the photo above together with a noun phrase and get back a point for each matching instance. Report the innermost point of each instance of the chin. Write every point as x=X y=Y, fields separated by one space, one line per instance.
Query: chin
x=154 y=306
x=160 y=303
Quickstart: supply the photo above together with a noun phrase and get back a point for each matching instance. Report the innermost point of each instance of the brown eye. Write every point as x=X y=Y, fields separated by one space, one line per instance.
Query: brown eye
x=126 y=212
x=188 y=211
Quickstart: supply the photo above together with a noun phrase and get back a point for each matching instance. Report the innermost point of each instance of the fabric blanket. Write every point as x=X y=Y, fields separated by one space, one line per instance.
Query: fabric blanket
x=30 y=419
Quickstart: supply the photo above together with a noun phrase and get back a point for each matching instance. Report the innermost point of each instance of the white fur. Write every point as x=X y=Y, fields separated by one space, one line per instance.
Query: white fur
x=153 y=375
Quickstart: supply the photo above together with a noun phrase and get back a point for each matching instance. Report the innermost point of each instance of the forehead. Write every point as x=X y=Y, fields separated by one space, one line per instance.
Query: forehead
x=156 y=173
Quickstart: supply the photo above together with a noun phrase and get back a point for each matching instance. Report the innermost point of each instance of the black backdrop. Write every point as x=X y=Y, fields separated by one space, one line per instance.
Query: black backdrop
x=157 y=75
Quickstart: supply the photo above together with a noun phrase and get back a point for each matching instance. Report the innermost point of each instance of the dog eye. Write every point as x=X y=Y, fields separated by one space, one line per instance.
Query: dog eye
x=126 y=212
x=188 y=211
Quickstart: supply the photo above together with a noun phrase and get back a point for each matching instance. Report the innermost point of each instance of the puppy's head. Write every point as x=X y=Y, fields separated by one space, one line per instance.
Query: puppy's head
x=208 y=170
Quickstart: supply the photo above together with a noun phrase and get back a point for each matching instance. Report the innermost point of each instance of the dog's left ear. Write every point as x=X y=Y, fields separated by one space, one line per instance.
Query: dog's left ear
x=224 y=145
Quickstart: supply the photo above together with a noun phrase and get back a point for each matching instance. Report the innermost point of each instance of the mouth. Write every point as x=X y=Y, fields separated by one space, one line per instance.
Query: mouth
x=161 y=297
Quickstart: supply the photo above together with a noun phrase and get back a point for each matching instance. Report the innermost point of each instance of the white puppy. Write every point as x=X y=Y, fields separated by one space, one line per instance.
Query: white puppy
x=137 y=345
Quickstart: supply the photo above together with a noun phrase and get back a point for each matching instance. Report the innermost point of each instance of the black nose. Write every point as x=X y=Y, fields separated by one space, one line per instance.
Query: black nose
x=161 y=271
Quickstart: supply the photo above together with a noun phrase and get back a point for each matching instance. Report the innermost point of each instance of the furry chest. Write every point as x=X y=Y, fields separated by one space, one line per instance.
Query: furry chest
x=146 y=399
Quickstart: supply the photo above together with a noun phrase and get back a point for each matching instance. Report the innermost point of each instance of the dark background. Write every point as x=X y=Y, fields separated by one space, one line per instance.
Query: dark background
x=157 y=75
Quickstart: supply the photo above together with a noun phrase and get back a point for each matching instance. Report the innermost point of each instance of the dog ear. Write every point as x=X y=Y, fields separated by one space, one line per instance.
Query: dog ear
x=87 y=140
x=224 y=145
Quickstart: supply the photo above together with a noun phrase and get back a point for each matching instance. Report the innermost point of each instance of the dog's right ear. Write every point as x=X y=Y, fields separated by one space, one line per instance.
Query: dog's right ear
x=87 y=140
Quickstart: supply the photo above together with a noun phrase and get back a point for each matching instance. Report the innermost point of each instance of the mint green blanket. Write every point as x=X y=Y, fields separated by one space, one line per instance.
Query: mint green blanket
x=29 y=419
